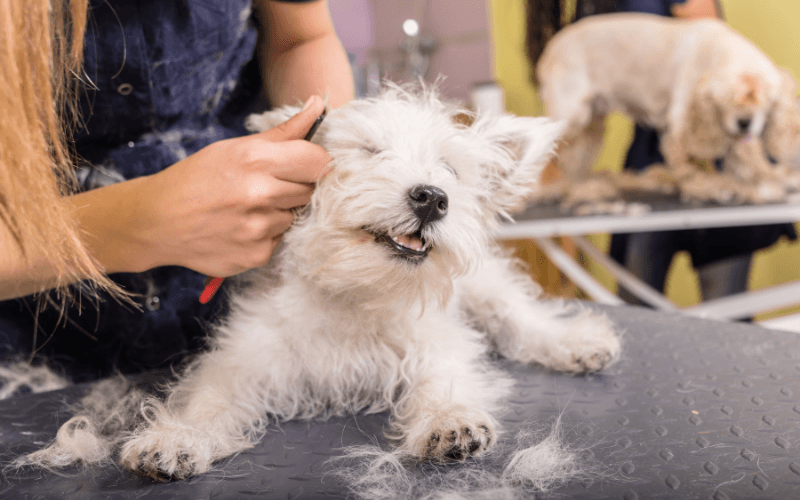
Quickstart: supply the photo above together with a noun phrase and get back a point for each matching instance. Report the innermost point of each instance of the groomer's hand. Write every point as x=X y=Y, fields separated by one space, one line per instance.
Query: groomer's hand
x=220 y=211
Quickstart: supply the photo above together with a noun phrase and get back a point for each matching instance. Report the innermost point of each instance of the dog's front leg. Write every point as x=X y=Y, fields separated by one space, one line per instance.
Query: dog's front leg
x=216 y=409
x=674 y=148
x=446 y=413
x=581 y=149
x=504 y=303
x=200 y=423
x=694 y=183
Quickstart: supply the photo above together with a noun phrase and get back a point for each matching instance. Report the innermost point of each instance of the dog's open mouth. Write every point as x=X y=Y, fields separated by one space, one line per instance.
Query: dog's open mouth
x=410 y=246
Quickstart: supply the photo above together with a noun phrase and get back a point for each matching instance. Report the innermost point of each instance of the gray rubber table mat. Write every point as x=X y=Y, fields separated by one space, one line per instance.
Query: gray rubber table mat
x=695 y=409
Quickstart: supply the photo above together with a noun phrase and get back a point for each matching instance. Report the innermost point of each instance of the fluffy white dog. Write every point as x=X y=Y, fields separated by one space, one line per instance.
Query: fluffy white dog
x=709 y=90
x=387 y=295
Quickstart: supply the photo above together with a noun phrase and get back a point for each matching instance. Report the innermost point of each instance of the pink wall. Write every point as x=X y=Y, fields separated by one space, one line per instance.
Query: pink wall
x=353 y=22
x=372 y=30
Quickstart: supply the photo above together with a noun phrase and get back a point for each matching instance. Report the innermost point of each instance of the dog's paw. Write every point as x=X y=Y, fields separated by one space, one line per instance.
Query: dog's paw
x=768 y=192
x=164 y=455
x=586 y=342
x=588 y=354
x=551 y=192
x=590 y=191
x=451 y=435
x=717 y=188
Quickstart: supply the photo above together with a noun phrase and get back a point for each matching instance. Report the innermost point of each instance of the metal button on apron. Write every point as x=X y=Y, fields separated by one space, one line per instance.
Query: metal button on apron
x=125 y=88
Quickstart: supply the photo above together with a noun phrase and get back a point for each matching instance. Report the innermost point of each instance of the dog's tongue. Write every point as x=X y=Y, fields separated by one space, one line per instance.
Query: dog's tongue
x=410 y=242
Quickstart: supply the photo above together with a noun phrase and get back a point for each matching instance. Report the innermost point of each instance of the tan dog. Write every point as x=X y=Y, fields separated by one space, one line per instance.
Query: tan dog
x=710 y=91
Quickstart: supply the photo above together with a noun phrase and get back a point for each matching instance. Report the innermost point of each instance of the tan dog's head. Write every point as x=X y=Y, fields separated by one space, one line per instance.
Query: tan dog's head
x=724 y=109
x=742 y=102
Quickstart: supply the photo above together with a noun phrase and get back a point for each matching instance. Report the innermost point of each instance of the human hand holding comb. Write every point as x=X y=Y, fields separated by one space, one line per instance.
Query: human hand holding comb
x=289 y=130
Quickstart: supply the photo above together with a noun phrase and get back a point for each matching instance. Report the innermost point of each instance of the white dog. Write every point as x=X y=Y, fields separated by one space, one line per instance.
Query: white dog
x=387 y=295
x=705 y=87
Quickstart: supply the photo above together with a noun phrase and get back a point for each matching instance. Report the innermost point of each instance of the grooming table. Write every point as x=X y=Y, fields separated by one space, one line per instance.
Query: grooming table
x=695 y=409
x=542 y=223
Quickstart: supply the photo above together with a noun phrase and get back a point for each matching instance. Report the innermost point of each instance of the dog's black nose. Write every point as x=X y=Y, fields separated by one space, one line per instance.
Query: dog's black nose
x=744 y=124
x=429 y=203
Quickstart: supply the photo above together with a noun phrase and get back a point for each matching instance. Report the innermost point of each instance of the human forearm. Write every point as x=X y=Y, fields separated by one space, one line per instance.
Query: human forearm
x=316 y=67
x=115 y=221
x=23 y=273
x=695 y=9
x=300 y=54
x=219 y=211
x=107 y=218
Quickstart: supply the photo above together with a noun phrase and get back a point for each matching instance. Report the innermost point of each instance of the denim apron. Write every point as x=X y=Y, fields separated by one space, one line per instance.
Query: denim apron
x=164 y=78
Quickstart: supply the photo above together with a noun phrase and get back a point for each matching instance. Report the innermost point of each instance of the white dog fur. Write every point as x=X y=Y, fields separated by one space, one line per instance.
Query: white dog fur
x=345 y=320
x=708 y=89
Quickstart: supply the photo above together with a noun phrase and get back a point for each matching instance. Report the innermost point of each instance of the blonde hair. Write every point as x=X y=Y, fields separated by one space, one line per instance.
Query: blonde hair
x=41 y=55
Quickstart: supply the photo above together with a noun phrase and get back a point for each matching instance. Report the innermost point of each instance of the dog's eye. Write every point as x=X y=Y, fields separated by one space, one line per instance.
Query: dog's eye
x=450 y=169
x=369 y=148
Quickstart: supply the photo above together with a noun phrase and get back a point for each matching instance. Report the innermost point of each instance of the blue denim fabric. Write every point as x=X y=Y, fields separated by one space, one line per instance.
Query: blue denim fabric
x=167 y=78
x=660 y=7
x=584 y=8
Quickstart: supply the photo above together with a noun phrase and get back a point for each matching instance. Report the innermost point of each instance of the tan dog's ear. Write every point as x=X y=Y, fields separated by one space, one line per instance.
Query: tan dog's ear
x=749 y=90
x=705 y=134
x=782 y=131
x=788 y=84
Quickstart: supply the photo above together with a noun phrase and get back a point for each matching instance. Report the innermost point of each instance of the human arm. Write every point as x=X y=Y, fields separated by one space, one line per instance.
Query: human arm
x=696 y=9
x=300 y=54
x=218 y=212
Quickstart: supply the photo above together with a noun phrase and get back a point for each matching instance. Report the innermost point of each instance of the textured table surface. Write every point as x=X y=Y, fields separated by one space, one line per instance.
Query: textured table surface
x=695 y=409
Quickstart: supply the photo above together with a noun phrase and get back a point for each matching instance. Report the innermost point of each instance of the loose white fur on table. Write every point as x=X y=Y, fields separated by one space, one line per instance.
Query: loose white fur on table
x=386 y=295
x=536 y=461
x=22 y=375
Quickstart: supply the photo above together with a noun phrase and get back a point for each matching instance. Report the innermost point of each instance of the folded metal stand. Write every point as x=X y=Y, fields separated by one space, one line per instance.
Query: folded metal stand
x=541 y=224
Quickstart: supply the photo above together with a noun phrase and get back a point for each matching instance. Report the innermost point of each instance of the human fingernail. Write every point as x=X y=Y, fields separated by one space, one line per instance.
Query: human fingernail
x=311 y=100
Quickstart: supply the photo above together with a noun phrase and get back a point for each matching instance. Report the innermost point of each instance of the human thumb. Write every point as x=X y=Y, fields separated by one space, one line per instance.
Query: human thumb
x=297 y=126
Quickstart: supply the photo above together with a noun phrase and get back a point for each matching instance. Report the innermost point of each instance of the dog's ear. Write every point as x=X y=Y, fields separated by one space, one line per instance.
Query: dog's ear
x=516 y=151
x=748 y=91
x=704 y=130
x=264 y=121
x=782 y=131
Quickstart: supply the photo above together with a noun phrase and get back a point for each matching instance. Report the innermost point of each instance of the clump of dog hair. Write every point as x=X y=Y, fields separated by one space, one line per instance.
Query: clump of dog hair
x=546 y=465
x=531 y=464
x=95 y=432
x=21 y=377
x=371 y=473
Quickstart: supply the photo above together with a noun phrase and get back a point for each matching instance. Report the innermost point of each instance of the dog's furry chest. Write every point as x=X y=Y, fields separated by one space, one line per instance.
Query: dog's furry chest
x=343 y=358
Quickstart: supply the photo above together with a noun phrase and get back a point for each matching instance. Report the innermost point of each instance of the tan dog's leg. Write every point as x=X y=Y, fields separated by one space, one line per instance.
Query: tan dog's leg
x=581 y=150
x=694 y=184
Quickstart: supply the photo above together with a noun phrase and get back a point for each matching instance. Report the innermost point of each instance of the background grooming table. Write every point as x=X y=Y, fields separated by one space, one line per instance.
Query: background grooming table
x=695 y=409
x=542 y=223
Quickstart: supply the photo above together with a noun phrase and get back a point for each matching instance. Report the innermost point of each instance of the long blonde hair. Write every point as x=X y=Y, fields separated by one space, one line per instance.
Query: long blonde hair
x=41 y=55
